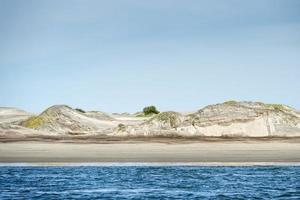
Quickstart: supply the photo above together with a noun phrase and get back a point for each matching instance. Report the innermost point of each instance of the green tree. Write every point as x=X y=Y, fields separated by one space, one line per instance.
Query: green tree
x=150 y=110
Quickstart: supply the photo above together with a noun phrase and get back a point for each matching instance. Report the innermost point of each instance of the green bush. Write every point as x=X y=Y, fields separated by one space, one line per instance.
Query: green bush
x=150 y=110
x=80 y=110
x=121 y=127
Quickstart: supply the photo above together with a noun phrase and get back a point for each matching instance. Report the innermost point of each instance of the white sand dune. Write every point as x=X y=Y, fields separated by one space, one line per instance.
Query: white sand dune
x=13 y=115
x=229 y=119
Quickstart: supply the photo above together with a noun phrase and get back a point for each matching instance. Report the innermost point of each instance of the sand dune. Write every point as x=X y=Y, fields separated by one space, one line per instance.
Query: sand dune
x=228 y=119
x=13 y=115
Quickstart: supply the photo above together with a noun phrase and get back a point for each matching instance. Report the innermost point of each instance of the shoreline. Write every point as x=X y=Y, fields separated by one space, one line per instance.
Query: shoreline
x=153 y=164
x=175 y=153
x=140 y=139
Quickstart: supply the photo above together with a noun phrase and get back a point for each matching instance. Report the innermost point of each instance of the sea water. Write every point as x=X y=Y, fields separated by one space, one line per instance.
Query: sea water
x=149 y=182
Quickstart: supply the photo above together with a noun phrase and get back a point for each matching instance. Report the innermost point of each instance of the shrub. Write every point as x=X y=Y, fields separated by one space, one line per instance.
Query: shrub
x=231 y=102
x=172 y=118
x=121 y=127
x=150 y=110
x=80 y=110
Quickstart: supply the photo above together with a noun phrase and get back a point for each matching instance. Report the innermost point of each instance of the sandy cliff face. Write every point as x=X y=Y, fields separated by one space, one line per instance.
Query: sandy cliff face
x=251 y=119
x=246 y=119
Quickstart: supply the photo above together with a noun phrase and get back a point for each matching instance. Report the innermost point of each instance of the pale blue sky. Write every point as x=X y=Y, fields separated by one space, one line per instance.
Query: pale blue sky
x=119 y=56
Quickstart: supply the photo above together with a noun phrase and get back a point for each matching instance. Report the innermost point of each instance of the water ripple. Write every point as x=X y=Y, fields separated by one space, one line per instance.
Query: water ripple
x=152 y=182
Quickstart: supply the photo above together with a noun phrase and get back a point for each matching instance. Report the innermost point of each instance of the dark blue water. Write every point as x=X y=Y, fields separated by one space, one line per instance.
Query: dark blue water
x=121 y=182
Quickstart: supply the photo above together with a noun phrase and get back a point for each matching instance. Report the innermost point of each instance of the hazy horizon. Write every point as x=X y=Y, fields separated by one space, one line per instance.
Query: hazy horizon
x=120 y=56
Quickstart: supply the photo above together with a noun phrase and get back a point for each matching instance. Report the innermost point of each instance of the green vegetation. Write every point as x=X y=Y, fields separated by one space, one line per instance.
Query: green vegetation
x=33 y=122
x=231 y=102
x=278 y=107
x=147 y=112
x=121 y=127
x=80 y=110
x=150 y=110
x=168 y=117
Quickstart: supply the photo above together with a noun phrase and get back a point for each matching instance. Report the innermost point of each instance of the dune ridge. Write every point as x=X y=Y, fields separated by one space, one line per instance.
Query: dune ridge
x=228 y=119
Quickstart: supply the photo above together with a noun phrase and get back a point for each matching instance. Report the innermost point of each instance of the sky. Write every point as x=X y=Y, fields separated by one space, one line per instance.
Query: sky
x=122 y=55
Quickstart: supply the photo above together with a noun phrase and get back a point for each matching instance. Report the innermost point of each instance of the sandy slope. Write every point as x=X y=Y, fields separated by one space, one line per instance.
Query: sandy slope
x=204 y=152
x=12 y=115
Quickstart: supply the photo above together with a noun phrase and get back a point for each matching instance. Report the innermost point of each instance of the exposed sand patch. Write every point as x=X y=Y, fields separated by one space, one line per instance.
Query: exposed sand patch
x=198 y=152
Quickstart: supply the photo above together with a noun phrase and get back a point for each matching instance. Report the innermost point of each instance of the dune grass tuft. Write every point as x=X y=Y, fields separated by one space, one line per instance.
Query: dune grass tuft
x=33 y=122
x=231 y=102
